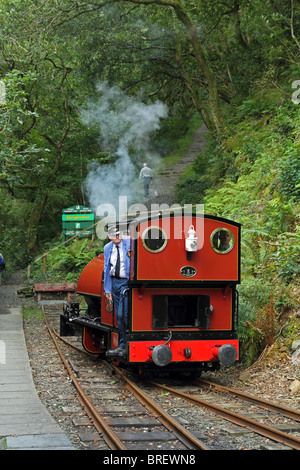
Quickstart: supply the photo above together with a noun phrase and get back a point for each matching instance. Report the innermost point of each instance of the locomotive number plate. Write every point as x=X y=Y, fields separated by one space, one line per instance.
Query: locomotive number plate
x=188 y=271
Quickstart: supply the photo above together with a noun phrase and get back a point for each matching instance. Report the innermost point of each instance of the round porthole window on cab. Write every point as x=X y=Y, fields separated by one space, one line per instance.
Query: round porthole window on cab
x=154 y=239
x=222 y=240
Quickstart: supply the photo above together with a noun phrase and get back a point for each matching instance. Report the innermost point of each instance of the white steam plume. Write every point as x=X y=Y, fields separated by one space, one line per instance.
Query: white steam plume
x=125 y=127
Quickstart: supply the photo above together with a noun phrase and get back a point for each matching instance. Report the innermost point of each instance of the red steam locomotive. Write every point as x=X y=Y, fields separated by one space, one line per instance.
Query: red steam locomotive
x=183 y=302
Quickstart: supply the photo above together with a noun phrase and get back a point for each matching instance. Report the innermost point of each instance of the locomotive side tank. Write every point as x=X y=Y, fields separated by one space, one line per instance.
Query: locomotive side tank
x=182 y=295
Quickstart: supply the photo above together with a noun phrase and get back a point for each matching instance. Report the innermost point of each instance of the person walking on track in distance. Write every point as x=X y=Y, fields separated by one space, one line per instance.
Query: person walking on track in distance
x=116 y=277
x=146 y=175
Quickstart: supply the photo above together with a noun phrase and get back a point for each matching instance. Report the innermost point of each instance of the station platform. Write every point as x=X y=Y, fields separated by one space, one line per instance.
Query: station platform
x=25 y=423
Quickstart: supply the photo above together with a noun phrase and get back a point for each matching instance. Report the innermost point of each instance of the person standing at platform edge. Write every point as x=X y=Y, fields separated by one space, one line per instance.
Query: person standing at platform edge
x=146 y=174
x=2 y=265
x=116 y=277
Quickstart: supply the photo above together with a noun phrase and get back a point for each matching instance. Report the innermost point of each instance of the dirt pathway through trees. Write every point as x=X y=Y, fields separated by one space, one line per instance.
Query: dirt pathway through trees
x=165 y=183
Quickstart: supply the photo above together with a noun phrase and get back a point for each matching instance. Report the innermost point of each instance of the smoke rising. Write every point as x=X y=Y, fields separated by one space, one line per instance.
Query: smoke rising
x=125 y=129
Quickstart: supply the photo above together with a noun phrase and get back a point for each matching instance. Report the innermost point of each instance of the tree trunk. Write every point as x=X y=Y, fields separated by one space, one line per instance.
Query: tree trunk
x=213 y=96
x=41 y=199
x=33 y=224
x=201 y=107
x=217 y=125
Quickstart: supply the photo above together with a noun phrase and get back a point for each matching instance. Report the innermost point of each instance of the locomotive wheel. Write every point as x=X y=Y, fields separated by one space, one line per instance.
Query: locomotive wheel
x=93 y=341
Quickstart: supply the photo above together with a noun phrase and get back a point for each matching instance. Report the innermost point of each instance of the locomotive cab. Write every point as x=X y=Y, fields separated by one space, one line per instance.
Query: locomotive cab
x=182 y=297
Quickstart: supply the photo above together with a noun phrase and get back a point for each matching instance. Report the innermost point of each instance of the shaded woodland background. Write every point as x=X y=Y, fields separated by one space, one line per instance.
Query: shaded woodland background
x=91 y=87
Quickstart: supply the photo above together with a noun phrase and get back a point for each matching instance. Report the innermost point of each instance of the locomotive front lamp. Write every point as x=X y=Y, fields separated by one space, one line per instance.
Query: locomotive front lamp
x=191 y=242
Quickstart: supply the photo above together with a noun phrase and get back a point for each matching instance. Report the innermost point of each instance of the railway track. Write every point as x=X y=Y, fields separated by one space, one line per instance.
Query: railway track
x=283 y=410
x=256 y=426
x=166 y=429
x=142 y=422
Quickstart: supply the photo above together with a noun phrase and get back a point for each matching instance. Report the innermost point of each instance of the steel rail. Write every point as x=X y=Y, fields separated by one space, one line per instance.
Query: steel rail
x=163 y=416
x=283 y=410
x=185 y=436
x=240 y=420
x=108 y=433
x=259 y=428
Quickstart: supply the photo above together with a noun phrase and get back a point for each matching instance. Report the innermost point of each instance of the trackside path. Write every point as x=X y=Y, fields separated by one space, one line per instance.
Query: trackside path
x=25 y=424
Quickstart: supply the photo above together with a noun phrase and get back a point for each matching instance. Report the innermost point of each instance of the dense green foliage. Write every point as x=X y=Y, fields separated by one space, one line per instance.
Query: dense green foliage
x=65 y=262
x=253 y=177
x=235 y=63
